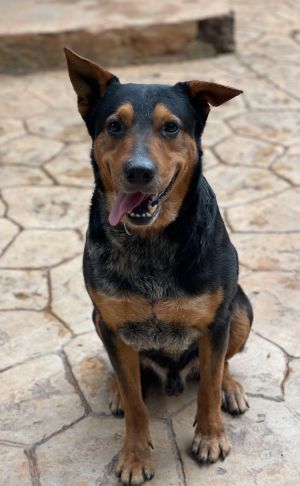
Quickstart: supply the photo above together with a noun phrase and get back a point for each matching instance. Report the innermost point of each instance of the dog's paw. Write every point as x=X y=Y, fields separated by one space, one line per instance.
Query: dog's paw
x=114 y=399
x=234 y=399
x=134 y=466
x=207 y=449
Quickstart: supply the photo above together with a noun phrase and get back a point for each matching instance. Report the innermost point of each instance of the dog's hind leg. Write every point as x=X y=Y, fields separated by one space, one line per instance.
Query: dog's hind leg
x=233 y=397
x=114 y=397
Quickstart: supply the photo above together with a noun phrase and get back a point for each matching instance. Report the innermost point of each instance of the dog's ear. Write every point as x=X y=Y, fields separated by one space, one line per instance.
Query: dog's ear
x=203 y=94
x=88 y=79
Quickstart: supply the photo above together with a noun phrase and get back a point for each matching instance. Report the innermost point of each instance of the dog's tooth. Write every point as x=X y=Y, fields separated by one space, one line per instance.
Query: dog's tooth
x=151 y=209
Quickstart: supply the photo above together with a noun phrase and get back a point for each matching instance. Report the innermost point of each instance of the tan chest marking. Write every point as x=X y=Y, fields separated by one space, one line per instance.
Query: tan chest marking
x=194 y=312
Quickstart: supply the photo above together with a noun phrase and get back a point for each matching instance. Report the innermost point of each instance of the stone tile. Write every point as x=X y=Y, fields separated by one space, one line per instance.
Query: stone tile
x=73 y=166
x=60 y=124
x=36 y=400
x=30 y=150
x=258 y=63
x=7 y=232
x=91 y=368
x=271 y=252
x=280 y=212
x=28 y=334
x=53 y=88
x=16 y=100
x=214 y=131
x=23 y=289
x=78 y=152
x=260 y=94
x=275 y=299
x=237 y=185
x=209 y=160
x=68 y=171
x=10 y=128
x=113 y=16
x=42 y=248
x=14 y=466
x=260 y=368
x=48 y=207
x=285 y=75
x=70 y=300
x=290 y=72
x=265 y=443
x=2 y=208
x=88 y=448
x=273 y=126
x=14 y=176
x=288 y=166
x=236 y=150
x=292 y=387
x=233 y=71
x=278 y=47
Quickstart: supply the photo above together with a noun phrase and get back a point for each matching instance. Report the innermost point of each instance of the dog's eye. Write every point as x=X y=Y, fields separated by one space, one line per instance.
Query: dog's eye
x=114 y=127
x=171 y=127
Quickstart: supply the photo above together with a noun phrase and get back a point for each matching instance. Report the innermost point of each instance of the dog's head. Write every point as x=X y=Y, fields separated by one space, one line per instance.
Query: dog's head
x=146 y=139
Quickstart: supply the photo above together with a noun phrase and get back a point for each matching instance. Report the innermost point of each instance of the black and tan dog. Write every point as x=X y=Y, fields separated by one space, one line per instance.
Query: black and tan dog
x=158 y=263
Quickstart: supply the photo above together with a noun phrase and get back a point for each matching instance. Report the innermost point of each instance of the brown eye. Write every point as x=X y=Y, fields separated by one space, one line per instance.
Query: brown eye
x=114 y=127
x=171 y=127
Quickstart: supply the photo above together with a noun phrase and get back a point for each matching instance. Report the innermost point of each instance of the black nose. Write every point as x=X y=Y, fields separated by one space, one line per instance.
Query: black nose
x=140 y=172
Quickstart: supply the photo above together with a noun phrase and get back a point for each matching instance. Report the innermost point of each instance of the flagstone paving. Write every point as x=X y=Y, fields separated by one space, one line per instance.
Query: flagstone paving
x=55 y=425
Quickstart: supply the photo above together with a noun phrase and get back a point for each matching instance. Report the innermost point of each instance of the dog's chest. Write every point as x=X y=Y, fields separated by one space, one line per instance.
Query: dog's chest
x=165 y=324
x=139 y=297
x=143 y=268
x=153 y=334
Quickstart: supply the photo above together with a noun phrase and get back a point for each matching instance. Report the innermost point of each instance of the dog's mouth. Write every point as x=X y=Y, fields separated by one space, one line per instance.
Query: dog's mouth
x=140 y=208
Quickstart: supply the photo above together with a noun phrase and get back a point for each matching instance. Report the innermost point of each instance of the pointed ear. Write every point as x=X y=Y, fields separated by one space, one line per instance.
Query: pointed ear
x=212 y=93
x=88 y=79
x=203 y=94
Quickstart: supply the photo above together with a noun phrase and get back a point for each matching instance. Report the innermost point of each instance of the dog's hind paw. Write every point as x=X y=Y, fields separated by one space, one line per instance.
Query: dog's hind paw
x=114 y=398
x=234 y=399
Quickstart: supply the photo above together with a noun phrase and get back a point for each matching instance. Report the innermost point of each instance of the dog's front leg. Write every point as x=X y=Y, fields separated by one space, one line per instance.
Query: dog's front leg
x=134 y=465
x=210 y=442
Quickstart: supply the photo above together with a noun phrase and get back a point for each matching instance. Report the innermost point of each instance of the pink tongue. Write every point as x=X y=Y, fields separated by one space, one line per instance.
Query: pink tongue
x=124 y=204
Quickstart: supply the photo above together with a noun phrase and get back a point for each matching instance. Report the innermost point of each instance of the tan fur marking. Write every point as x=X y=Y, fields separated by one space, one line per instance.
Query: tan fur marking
x=193 y=312
x=110 y=158
x=161 y=114
x=117 y=310
x=196 y=312
x=209 y=397
x=125 y=112
x=239 y=331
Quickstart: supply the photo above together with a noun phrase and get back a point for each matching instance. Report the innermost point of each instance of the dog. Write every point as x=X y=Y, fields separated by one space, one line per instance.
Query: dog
x=158 y=263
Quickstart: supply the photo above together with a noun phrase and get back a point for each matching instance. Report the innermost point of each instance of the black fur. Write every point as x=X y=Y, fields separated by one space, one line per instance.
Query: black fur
x=191 y=256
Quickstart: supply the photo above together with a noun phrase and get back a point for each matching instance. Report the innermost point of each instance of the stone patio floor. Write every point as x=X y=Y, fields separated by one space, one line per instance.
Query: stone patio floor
x=55 y=426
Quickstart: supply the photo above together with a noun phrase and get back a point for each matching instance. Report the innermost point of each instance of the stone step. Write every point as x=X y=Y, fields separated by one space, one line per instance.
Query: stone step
x=112 y=32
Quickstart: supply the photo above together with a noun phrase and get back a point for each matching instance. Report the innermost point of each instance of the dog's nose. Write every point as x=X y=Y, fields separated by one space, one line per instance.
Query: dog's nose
x=140 y=172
